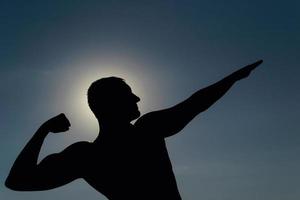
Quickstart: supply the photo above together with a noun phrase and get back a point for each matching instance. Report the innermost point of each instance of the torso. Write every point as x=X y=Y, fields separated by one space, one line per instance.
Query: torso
x=134 y=167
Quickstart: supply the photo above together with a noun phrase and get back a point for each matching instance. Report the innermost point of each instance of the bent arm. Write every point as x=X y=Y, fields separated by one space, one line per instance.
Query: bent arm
x=172 y=120
x=23 y=169
x=25 y=173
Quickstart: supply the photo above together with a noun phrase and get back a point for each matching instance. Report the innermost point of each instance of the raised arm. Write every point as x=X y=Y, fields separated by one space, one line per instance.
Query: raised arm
x=27 y=175
x=170 y=121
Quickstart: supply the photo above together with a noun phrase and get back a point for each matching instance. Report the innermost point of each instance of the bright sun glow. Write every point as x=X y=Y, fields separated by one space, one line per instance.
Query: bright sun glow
x=80 y=84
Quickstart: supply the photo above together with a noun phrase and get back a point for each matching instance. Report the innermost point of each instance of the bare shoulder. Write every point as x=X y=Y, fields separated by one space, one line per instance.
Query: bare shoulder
x=73 y=153
x=150 y=116
x=144 y=121
x=150 y=122
x=78 y=148
x=69 y=162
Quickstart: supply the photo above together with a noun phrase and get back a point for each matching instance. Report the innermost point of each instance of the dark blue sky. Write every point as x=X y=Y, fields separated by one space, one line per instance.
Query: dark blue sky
x=246 y=146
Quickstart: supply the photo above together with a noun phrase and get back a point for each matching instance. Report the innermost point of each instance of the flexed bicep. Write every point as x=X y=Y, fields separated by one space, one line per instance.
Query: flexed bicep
x=53 y=171
x=62 y=168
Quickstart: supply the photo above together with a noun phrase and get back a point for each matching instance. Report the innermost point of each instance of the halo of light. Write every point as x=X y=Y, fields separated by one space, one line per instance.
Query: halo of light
x=80 y=84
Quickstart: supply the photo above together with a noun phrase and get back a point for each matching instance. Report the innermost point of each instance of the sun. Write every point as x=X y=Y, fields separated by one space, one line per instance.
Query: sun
x=82 y=79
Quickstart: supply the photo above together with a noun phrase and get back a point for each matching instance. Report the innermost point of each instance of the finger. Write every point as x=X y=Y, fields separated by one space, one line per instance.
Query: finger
x=256 y=64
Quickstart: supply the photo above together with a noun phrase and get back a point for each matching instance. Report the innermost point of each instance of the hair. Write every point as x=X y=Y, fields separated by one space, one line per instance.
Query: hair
x=100 y=93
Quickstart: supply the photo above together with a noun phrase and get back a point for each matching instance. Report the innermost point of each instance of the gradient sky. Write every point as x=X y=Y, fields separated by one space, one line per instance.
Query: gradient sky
x=246 y=146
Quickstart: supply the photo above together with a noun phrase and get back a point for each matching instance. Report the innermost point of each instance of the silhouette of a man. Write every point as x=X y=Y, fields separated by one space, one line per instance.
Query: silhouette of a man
x=125 y=161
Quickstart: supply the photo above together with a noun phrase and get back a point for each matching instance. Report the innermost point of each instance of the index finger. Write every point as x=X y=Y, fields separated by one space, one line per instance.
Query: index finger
x=254 y=65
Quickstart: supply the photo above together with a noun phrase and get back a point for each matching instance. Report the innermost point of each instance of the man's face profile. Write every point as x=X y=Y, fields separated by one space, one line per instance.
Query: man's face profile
x=125 y=102
x=111 y=98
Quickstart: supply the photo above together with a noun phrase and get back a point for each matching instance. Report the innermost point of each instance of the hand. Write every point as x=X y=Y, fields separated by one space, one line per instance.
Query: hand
x=59 y=123
x=245 y=71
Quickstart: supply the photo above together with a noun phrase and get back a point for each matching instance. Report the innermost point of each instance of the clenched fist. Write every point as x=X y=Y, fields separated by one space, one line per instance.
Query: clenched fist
x=59 y=123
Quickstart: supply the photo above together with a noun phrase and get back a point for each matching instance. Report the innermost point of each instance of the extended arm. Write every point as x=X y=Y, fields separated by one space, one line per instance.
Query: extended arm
x=26 y=174
x=170 y=121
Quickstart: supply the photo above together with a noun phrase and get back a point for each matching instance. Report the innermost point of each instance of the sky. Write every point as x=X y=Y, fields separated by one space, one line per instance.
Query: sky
x=246 y=146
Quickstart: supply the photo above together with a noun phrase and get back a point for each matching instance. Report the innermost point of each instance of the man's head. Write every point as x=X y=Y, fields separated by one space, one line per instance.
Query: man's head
x=112 y=99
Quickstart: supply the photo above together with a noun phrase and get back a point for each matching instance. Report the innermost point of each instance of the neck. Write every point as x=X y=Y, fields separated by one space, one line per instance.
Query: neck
x=114 y=126
x=112 y=129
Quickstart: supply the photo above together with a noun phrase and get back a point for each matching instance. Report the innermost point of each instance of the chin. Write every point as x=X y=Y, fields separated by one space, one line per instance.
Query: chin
x=136 y=115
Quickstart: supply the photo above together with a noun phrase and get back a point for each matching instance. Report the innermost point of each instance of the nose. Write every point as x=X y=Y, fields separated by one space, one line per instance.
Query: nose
x=136 y=98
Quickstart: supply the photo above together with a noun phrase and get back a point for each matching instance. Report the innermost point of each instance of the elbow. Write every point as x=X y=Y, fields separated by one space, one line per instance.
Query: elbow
x=18 y=187
x=9 y=183
x=16 y=184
